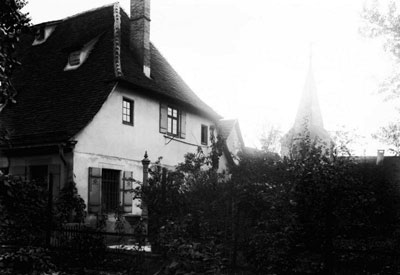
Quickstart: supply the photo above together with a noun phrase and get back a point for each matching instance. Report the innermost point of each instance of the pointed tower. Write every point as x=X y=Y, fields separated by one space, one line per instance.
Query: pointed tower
x=308 y=119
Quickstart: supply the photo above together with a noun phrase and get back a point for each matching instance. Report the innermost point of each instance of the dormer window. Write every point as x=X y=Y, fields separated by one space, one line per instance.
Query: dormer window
x=39 y=36
x=42 y=34
x=74 y=58
x=78 y=55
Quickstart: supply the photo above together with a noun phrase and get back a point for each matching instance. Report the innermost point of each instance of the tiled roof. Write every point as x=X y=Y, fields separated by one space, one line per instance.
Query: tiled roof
x=53 y=105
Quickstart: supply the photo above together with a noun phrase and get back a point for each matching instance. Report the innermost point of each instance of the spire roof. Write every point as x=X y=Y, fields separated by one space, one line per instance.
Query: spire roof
x=309 y=112
x=308 y=119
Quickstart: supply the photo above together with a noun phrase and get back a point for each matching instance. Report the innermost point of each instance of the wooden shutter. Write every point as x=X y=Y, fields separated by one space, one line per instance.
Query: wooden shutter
x=182 y=128
x=126 y=190
x=94 y=190
x=163 y=118
x=55 y=171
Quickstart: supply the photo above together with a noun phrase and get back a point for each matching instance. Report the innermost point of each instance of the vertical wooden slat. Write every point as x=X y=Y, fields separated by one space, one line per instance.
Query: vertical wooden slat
x=182 y=124
x=94 y=190
x=127 y=186
x=163 y=118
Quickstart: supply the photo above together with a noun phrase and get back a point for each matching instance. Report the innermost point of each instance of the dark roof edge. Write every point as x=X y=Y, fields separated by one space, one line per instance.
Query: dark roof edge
x=215 y=116
x=77 y=132
x=53 y=22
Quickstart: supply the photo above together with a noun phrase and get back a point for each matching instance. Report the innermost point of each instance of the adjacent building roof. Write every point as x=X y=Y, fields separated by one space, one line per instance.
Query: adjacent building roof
x=53 y=105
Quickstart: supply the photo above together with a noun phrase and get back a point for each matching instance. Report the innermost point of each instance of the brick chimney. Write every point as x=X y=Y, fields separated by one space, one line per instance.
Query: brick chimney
x=140 y=33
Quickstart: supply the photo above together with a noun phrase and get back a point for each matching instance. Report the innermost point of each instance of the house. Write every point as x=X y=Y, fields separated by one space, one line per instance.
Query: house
x=93 y=95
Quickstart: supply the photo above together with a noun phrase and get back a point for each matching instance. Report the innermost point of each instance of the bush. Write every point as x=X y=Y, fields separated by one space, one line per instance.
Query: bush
x=26 y=260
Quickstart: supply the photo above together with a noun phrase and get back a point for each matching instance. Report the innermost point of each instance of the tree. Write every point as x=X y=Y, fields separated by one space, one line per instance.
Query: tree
x=382 y=20
x=390 y=135
x=12 y=23
x=312 y=214
x=270 y=139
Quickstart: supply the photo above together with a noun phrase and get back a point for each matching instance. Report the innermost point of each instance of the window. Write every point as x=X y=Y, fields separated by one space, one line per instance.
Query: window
x=172 y=121
x=127 y=111
x=204 y=134
x=78 y=54
x=42 y=34
x=40 y=174
x=109 y=190
x=74 y=58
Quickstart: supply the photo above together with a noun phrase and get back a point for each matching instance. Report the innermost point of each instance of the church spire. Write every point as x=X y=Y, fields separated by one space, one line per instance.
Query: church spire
x=309 y=112
x=308 y=118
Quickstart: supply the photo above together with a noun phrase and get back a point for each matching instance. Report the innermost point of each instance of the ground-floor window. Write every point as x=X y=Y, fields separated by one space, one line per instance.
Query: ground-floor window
x=109 y=190
x=110 y=180
x=43 y=175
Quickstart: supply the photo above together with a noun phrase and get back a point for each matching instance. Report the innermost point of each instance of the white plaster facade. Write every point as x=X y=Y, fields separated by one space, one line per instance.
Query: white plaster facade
x=108 y=143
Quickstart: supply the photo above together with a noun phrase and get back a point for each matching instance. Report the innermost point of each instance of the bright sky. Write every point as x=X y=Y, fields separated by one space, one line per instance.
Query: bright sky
x=249 y=59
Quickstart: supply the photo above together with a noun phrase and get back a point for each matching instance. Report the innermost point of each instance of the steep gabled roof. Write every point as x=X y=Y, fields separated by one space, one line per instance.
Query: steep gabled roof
x=53 y=105
x=226 y=126
x=164 y=81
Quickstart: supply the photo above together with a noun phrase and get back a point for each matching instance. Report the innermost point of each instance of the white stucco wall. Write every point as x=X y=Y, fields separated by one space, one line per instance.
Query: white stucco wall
x=108 y=143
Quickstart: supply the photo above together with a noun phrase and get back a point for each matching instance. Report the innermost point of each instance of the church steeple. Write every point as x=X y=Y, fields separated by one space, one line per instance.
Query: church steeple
x=308 y=118
x=309 y=111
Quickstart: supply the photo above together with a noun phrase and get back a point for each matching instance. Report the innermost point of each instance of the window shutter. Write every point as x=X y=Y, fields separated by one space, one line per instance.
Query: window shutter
x=55 y=170
x=205 y=135
x=94 y=190
x=127 y=186
x=183 y=124
x=163 y=118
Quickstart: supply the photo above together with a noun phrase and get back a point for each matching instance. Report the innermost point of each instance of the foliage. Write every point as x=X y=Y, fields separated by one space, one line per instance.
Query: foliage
x=12 y=23
x=270 y=139
x=25 y=219
x=343 y=140
x=390 y=135
x=23 y=212
x=69 y=206
x=314 y=202
x=382 y=20
x=310 y=214
x=27 y=260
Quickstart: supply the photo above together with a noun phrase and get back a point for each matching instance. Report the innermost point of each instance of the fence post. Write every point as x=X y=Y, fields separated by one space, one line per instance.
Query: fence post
x=49 y=210
x=145 y=213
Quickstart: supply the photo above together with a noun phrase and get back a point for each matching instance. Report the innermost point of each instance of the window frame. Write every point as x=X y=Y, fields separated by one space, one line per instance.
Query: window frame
x=173 y=118
x=74 y=58
x=130 y=111
x=204 y=134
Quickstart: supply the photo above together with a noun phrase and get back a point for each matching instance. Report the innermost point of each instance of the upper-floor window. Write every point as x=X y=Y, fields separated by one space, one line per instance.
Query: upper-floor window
x=172 y=121
x=74 y=58
x=78 y=55
x=127 y=111
x=42 y=33
x=204 y=134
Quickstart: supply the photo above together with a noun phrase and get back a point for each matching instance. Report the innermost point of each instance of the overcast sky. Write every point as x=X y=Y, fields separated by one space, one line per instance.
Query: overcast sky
x=249 y=59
